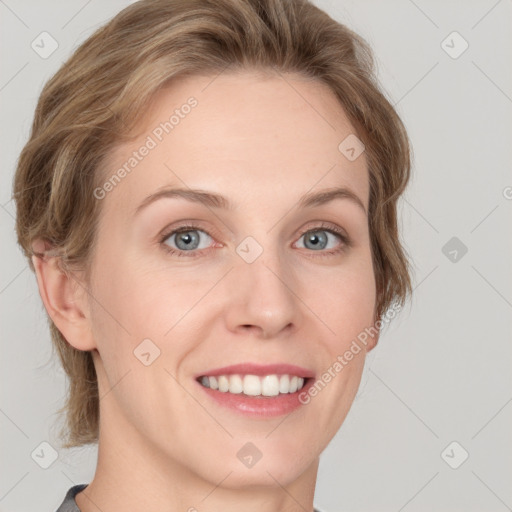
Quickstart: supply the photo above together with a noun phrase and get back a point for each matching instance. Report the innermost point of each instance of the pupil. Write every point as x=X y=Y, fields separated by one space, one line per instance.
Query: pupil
x=314 y=240
x=186 y=240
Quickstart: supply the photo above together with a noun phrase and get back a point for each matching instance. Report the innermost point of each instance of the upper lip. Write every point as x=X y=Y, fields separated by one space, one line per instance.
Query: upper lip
x=259 y=369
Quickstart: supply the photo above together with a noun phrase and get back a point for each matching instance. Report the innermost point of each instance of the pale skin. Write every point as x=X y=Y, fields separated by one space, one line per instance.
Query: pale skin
x=262 y=144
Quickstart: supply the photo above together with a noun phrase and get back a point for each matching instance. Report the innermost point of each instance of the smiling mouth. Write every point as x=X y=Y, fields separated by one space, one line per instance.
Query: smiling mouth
x=254 y=385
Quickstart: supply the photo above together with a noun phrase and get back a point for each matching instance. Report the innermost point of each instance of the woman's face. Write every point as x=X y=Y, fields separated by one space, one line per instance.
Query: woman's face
x=263 y=281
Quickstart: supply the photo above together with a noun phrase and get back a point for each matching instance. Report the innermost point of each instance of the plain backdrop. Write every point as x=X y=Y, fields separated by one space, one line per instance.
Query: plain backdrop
x=430 y=427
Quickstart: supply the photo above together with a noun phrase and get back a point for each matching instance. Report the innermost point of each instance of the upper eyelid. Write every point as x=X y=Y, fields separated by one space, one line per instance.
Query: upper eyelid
x=168 y=232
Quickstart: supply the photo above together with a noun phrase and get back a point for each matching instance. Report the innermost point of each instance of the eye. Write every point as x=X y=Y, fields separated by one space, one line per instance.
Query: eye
x=327 y=241
x=186 y=239
x=192 y=241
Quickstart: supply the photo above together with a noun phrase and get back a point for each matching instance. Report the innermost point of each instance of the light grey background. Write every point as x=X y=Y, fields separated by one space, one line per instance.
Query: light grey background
x=442 y=370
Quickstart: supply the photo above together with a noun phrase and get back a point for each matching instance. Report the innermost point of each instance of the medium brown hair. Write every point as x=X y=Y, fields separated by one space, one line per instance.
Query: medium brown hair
x=103 y=89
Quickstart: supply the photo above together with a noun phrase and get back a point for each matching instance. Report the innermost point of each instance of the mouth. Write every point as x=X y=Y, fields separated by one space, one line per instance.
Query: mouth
x=257 y=390
x=254 y=385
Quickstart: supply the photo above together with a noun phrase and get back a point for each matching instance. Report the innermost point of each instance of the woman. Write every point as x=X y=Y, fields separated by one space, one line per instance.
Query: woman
x=208 y=200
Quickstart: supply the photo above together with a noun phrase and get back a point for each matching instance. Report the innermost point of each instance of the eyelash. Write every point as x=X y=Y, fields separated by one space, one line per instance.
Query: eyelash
x=346 y=242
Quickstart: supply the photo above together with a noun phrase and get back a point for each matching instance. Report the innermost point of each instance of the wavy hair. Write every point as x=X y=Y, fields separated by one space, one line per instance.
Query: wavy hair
x=98 y=95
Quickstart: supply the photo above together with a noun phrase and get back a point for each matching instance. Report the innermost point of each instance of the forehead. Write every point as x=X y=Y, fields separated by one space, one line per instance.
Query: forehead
x=273 y=137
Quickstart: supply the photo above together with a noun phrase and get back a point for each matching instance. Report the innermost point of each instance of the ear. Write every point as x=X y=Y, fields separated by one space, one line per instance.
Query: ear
x=63 y=296
x=374 y=338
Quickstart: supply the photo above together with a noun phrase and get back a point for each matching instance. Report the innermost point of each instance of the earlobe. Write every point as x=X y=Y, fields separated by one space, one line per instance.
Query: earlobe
x=372 y=342
x=63 y=297
x=374 y=336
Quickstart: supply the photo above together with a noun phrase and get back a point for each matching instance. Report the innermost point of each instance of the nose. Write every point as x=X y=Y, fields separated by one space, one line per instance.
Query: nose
x=262 y=298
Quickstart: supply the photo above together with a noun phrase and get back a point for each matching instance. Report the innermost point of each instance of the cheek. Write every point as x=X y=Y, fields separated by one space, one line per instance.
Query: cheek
x=345 y=304
x=135 y=302
x=344 y=298
x=130 y=298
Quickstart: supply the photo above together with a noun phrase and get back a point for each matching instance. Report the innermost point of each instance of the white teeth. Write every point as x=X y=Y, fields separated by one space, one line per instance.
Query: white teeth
x=254 y=385
x=270 y=385
x=213 y=383
x=235 y=384
x=284 y=384
x=223 y=383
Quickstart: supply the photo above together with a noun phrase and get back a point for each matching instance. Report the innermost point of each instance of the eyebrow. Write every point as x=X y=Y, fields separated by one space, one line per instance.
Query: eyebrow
x=212 y=200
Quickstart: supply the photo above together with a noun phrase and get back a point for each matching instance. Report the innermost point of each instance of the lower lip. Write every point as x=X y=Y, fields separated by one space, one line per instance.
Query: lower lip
x=258 y=406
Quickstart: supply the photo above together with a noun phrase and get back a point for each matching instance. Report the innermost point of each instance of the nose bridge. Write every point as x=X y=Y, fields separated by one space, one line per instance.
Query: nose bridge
x=261 y=287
